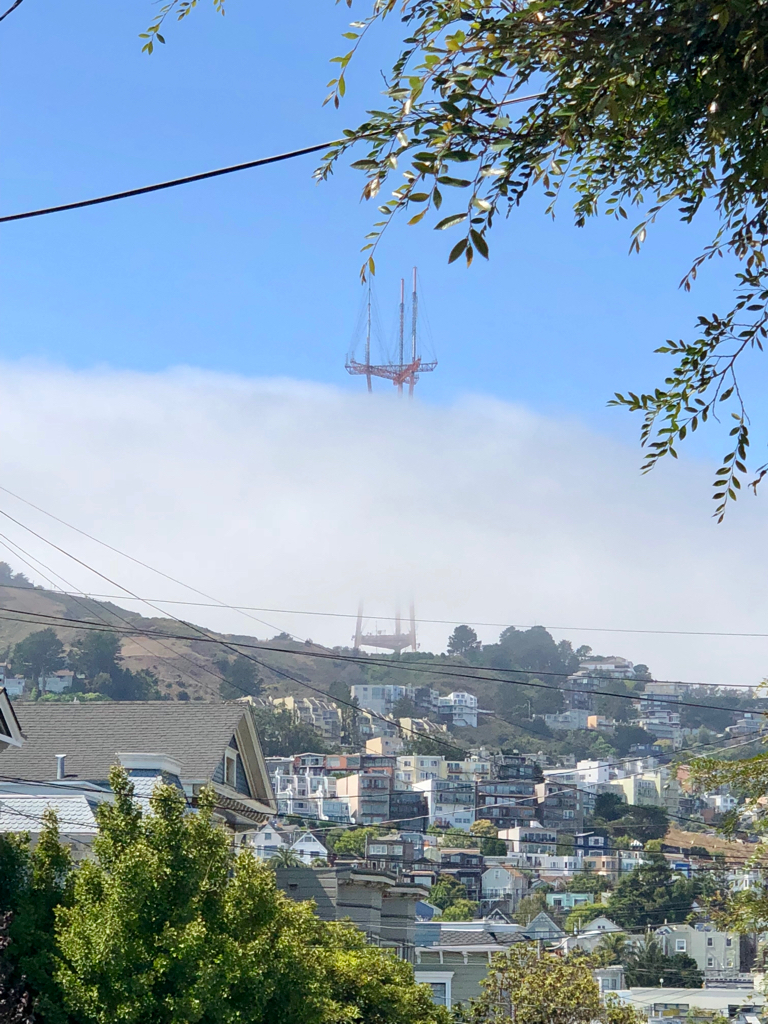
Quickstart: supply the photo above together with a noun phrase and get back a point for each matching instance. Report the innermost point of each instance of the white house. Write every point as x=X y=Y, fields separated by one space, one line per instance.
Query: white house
x=450 y=803
x=500 y=882
x=460 y=707
x=590 y=937
x=14 y=685
x=530 y=839
x=264 y=842
x=309 y=848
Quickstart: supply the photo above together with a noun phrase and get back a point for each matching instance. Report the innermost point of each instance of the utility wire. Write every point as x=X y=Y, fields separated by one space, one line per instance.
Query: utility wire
x=11 y=545
x=11 y=9
x=237 y=649
x=391 y=618
x=447 y=672
x=165 y=184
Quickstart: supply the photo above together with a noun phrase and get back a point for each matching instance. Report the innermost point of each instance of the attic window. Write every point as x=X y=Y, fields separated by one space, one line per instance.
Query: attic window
x=230 y=768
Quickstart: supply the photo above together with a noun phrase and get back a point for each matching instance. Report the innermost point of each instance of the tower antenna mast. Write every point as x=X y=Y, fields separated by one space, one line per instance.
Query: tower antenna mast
x=414 y=317
x=401 y=371
x=368 y=340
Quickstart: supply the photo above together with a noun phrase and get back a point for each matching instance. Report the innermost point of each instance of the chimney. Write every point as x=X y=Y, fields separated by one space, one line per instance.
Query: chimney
x=61 y=770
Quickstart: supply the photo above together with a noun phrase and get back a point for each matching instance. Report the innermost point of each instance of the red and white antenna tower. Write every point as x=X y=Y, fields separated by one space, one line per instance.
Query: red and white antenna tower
x=401 y=372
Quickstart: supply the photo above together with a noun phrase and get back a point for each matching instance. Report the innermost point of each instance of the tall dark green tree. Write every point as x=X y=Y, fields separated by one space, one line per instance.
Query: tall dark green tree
x=651 y=894
x=240 y=678
x=33 y=883
x=38 y=654
x=95 y=652
x=463 y=640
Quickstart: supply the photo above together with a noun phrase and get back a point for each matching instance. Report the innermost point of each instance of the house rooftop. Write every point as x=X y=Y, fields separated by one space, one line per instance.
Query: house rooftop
x=194 y=734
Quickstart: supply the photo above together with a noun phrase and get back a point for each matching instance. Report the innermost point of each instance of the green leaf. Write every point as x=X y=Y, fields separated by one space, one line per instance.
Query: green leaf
x=449 y=222
x=457 y=250
x=444 y=179
x=480 y=243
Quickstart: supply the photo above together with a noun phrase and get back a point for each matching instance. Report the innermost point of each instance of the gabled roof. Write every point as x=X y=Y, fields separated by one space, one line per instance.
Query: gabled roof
x=195 y=734
x=10 y=730
x=543 y=927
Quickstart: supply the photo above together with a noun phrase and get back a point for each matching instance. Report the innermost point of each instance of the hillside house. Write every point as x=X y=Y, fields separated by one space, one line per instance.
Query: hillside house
x=308 y=847
x=501 y=882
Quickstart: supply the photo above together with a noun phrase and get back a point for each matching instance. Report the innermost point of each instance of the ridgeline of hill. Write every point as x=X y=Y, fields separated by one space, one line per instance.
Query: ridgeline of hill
x=185 y=666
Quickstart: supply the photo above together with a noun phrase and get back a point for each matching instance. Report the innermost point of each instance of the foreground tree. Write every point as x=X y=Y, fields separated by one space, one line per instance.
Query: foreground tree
x=525 y=987
x=166 y=926
x=33 y=883
x=620 y=106
x=743 y=911
x=15 y=997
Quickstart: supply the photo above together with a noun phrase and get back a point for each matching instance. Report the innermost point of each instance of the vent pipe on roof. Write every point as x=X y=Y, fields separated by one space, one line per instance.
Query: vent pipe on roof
x=61 y=770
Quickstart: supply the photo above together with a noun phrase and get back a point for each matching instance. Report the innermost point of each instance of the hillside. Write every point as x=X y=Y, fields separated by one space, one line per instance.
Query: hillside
x=180 y=664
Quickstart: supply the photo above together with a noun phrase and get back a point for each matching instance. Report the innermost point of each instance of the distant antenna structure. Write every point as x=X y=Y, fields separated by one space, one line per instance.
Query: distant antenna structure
x=401 y=372
x=396 y=641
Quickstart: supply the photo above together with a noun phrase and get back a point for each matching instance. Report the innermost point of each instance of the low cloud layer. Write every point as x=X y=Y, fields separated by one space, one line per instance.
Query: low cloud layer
x=280 y=494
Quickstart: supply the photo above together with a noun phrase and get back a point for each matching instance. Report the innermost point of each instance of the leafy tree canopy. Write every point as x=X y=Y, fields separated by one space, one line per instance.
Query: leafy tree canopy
x=587 y=881
x=460 y=910
x=95 y=652
x=609 y=806
x=281 y=735
x=525 y=987
x=640 y=822
x=651 y=894
x=38 y=654
x=447 y=891
x=613 y=108
x=352 y=841
x=240 y=678
x=625 y=737
x=166 y=925
x=463 y=640
x=33 y=883
x=530 y=906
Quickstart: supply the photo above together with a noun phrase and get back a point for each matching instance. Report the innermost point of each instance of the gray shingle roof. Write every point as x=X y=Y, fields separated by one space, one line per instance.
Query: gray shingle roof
x=194 y=734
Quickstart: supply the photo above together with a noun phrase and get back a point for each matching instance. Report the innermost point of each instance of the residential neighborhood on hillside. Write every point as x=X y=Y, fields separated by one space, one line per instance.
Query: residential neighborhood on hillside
x=445 y=853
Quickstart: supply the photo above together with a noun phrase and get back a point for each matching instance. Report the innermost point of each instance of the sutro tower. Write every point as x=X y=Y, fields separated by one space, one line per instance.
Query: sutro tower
x=401 y=372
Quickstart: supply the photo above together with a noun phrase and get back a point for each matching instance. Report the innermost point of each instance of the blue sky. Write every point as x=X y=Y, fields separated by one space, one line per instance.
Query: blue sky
x=257 y=273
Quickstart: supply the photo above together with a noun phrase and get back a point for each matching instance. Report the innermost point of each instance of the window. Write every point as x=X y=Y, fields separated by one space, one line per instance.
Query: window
x=230 y=768
x=681 y=945
x=730 y=963
x=567 y=814
x=710 y=941
x=710 y=961
x=377 y=848
x=728 y=940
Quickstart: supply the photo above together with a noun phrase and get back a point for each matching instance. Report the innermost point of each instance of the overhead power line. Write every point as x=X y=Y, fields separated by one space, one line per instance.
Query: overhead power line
x=261 y=162
x=11 y=9
x=389 y=618
x=446 y=671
